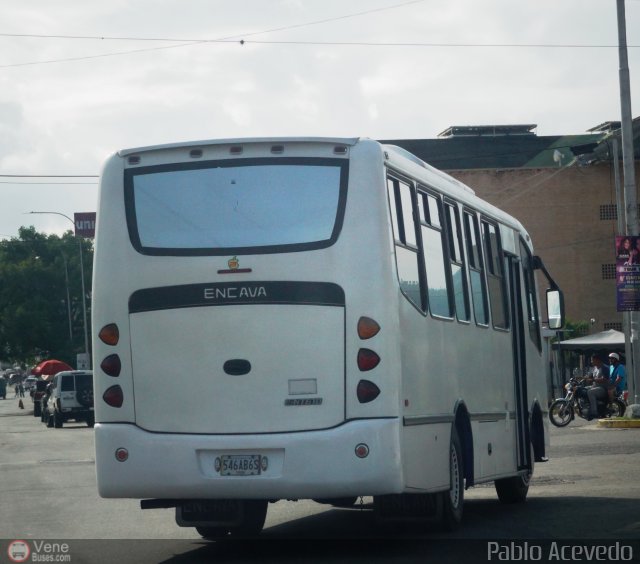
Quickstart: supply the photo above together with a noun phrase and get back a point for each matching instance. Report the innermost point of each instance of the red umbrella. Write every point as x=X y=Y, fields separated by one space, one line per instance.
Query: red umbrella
x=48 y=368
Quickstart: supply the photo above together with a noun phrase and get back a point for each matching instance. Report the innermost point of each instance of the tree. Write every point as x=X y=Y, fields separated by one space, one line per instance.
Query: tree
x=37 y=273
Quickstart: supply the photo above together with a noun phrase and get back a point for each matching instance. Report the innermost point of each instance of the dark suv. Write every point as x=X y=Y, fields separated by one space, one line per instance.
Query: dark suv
x=71 y=398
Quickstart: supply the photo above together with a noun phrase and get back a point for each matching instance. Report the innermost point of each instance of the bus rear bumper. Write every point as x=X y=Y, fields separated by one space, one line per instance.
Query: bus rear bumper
x=300 y=465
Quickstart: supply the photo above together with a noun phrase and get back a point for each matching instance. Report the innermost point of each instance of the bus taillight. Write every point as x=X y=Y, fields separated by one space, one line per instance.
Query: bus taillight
x=113 y=396
x=109 y=334
x=111 y=365
x=367 y=391
x=367 y=328
x=367 y=359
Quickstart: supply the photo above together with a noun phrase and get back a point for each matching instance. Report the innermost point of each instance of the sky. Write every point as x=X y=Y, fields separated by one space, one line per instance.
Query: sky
x=82 y=79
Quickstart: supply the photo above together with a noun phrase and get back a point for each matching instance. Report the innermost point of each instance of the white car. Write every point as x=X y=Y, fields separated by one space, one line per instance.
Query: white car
x=71 y=398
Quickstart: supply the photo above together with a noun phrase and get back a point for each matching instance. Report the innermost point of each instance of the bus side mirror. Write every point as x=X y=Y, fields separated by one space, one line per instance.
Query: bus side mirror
x=555 y=309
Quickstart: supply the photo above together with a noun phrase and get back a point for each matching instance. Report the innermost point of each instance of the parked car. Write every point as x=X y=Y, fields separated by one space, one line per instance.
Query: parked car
x=71 y=398
x=30 y=383
x=36 y=395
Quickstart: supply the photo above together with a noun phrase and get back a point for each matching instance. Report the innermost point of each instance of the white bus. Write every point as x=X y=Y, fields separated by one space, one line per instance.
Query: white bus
x=310 y=318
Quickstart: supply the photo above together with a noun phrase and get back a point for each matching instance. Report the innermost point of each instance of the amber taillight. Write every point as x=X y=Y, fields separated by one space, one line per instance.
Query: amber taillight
x=367 y=328
x=110 y=334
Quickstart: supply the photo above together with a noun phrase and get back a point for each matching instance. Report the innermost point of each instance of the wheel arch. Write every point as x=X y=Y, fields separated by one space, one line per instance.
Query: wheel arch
x=536 y=431
x=462 y=423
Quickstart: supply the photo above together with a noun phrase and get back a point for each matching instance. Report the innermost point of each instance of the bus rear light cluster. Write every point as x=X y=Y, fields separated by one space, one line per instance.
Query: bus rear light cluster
x=367 y=391
x=111 y=365
x=113 y=396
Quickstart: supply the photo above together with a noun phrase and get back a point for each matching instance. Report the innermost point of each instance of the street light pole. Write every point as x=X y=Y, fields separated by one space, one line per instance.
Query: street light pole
x=84 y=305
x=630 y=197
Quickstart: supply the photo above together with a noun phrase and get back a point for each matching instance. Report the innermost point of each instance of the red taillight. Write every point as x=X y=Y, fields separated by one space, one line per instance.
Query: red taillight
x=367 y=391
x=367 y=328
x=111 y=365
x=122 y=454
x=113 y=396
x=109 y=334
x=367 y=359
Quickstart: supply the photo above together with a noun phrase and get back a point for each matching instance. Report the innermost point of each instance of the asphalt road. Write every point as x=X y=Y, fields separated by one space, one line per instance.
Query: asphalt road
x=588 y=492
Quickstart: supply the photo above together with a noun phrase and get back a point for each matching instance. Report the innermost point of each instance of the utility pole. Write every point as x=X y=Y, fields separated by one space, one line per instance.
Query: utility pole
x=630 y=195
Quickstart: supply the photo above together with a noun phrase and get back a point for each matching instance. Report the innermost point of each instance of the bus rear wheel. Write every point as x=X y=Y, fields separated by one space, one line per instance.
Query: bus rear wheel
x=514 y=489
x=453 y=499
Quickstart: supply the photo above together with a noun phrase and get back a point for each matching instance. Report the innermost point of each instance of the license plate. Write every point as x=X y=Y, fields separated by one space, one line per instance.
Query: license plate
x=239 y=465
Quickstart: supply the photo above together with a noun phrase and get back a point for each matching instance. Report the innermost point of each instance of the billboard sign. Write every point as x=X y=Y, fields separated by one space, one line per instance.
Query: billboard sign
x=85 y=224
x=628 y=273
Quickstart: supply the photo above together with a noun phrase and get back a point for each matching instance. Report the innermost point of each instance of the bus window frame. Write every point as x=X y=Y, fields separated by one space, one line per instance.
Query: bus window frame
x=424 y=220
x=447 y=204
x=399 y=239
x=491 y=265
x=481 y=268
x=132 y=225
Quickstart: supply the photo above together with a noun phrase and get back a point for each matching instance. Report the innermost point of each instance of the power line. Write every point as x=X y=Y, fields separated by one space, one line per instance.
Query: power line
x=189 y=42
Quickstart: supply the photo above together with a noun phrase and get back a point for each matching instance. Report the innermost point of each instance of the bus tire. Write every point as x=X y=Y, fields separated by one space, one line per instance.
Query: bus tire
x=338 y=501
x=213 y=533
x=453 y=499
x=514 y=489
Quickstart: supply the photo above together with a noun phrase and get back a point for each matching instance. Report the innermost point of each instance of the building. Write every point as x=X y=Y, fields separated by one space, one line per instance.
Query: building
x=562 y=189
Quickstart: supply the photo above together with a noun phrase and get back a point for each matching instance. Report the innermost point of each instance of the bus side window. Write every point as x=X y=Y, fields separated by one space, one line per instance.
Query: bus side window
x=531 y=297
x=407 y=260
x=456 y=258
x=495 y=276
x=476 y=268
x=438 y=286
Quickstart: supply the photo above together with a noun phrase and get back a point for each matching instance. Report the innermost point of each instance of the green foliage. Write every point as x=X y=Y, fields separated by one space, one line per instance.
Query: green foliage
x=34 y=312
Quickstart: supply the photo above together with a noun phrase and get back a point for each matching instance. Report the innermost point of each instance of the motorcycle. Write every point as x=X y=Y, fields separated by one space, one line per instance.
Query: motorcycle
x=563 y=410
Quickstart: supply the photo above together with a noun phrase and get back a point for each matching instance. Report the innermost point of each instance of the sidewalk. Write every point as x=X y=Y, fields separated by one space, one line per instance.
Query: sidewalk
x=621 y=422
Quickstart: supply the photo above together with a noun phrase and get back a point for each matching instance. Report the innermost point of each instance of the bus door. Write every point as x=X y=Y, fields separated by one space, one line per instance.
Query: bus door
x=517 y=313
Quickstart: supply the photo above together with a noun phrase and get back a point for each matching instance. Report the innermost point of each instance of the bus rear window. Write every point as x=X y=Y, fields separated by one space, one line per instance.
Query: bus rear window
x=221 y=207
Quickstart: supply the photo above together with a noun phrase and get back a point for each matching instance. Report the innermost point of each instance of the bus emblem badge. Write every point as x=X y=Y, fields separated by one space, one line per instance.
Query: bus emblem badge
x=234 y=267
